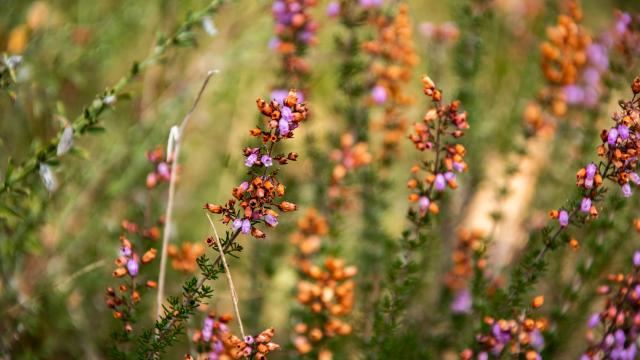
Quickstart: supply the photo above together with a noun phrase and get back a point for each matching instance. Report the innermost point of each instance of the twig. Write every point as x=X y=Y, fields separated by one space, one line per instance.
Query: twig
x=175 y=140
x=234 y=295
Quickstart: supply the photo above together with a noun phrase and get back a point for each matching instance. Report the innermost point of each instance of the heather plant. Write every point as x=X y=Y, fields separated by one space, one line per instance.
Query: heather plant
x=470 y=240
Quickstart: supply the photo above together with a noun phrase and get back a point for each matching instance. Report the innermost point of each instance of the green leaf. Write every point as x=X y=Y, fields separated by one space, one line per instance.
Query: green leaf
x=96 y=129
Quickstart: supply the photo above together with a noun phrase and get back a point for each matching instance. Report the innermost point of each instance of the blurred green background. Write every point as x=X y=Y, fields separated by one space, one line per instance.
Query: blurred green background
x=72 y=50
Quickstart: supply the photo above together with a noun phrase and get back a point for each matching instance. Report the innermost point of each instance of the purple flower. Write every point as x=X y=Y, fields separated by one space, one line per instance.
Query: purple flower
x=248 y=339
x=623 y=131
x=573 y=94
x=283 y=127
x=634 y=178
x=483 y=356
x=423 y=203
x=440 y=183
x=274 y=43
x=251 y=159
x=449 y=176
x=206 y=334
x=636 y=259
x=609 y=340
x=218 y=347
x=125 y=251
x=286 y=114
x=594 y=320
x=278 y=95
x=462 y=302
x=620 y=337
x=626 y=190
x=591 y=76
x=208 y=323
x=613 y=136
x=632 y=351
x=623 y=22
x=132 y=267
x=243 y=186
x=379 y=94
x=458 y=166
x=266 y=160
x=585 y=204
x=598 y=56
x=591 y=170
x=563 y=218
x=333 y=9
x=371 y=3
x=237 y=224
x=246 y=226
x=502 y=337
x=278 y=8
x=271 y=220
x=537 y=340
x=164 y=170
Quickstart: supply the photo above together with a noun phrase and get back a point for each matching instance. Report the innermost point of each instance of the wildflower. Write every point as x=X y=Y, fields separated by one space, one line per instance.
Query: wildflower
x=183 y=258
x=379 y=94
x=371 y=3
x=132 y=267
x=211 y=339
x=563 y=218
x=585 y=205
x=440 y=125
x=462 y=302
x=257 y=197
x=271 y=220
x=333 y=9
x=326 y=291
x=350 y=157
x=393 y=60
x=295 y=31
x=259 y=347
x=266 y=160
x=252 y=158
x=521 y=336
x=618 y=318
x=162 y=169
x=246 y=226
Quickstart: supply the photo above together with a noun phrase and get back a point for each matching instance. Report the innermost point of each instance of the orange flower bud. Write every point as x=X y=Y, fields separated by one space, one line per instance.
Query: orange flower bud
x=537 y=302
x=287 y=206
x=120 y=272
x=215 y=209
x=149 y=256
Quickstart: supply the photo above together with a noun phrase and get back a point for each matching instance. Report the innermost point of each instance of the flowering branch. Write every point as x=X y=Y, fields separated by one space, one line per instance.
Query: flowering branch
x=620 y=149
x=88 y=121
x=441 y=120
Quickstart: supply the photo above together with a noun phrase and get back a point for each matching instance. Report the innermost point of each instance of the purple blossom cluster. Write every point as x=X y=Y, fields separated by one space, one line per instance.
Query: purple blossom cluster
x=210 y=339
x=293 y=25
x=619 y=319
x=590 y=88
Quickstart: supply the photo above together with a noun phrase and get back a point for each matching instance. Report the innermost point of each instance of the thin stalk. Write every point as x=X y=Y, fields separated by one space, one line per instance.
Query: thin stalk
x=175 y=142
x=234 y=294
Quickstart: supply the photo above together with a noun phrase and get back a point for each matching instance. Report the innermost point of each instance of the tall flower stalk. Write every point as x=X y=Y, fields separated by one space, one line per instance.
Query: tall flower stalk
x=430 y=179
